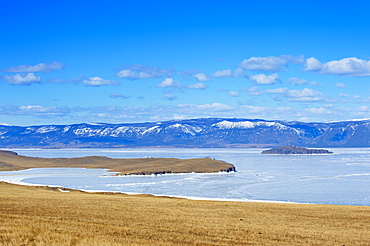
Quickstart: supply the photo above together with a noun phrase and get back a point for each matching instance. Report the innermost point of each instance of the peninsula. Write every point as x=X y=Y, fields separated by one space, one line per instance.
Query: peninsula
x=294 y=150
x=12 y=161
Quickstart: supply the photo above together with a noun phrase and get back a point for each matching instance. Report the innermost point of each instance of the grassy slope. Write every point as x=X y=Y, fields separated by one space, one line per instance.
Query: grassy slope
x=46 y=216
x=9 y=161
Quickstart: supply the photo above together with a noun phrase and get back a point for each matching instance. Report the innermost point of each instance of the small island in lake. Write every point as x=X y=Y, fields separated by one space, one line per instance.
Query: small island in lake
x=295 y=150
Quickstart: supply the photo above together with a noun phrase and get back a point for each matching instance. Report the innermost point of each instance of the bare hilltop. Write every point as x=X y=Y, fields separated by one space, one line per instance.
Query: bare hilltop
x=12 y=161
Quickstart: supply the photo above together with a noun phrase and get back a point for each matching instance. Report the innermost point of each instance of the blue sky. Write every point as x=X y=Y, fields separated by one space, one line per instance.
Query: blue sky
x=65 y=62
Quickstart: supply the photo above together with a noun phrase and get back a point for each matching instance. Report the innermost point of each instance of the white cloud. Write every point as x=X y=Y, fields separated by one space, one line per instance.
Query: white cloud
x=201 y=77
x=263 y=79
x=312 y=64
x=357 y=98
x=239 y=72
x=270 y=63
x=21 y=79
x=297 y=81
x=59 y=81
x=121 y=114
x=256 y=91
x=197 y=86
x=345 y=67
x=38 y=110
x=227 y=73
x=41 y=67
x=305 y=95
x=118 y=95
x=302 y=93
x=363 y=109
x=206 y=107
x=223 y=73
x=253 y=109
x=128 y=73
x=344 y=95
x=169 y=82
x=170 y=97
x=340 y=85
x=97 y=81
x=143 y=72
x=277 y=91
x=233 y=94
x=319 y=111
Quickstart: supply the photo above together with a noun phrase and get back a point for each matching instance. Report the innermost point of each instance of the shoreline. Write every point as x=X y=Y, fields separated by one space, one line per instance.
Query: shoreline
x=19 y=181
x=191 y=198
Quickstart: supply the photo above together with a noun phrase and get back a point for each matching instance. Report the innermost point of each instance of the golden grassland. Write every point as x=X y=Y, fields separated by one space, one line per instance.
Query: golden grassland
x=47 y=216
x=11 y=161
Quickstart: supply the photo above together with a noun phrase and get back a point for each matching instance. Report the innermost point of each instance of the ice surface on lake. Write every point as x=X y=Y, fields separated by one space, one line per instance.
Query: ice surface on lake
x=341 y=178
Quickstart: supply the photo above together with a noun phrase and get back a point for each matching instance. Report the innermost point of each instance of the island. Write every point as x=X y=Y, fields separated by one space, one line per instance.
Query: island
x=10 y=161
x=295 y=150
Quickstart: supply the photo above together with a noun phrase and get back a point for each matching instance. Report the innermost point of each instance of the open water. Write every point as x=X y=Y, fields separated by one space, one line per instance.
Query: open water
x=340 y=178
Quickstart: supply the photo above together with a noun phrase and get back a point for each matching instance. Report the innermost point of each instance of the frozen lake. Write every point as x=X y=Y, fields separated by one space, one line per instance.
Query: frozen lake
x=341 y=178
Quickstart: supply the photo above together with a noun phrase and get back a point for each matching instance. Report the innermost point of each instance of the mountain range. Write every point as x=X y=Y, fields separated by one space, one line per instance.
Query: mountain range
x=192 y=133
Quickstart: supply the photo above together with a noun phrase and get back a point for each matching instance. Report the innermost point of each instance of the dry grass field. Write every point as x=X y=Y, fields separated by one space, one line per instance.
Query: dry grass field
x=47 y=216
x=10 y=161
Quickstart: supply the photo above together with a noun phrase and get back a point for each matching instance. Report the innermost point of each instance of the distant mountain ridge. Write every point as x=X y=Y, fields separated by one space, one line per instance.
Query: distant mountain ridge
x=207 y=132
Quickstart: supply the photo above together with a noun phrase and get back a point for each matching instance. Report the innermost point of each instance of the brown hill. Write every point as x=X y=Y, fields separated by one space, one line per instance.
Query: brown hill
x=12 y=161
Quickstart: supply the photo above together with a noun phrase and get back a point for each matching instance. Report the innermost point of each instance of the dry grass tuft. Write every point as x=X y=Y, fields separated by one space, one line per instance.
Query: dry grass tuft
x=46 y=216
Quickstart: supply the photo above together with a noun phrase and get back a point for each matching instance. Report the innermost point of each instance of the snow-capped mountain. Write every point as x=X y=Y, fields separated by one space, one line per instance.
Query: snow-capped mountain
x=212 y=132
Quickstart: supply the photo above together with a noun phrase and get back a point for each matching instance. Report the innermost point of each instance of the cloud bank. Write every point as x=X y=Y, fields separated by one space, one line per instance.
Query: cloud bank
x=304 y=95
x=183 y=111
x=21 y=79
x=227 y=73
x=345 y=67
x=143 y=72
x=41 y=67
x=270 y=63
x=118 y=95
x=97 y=81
